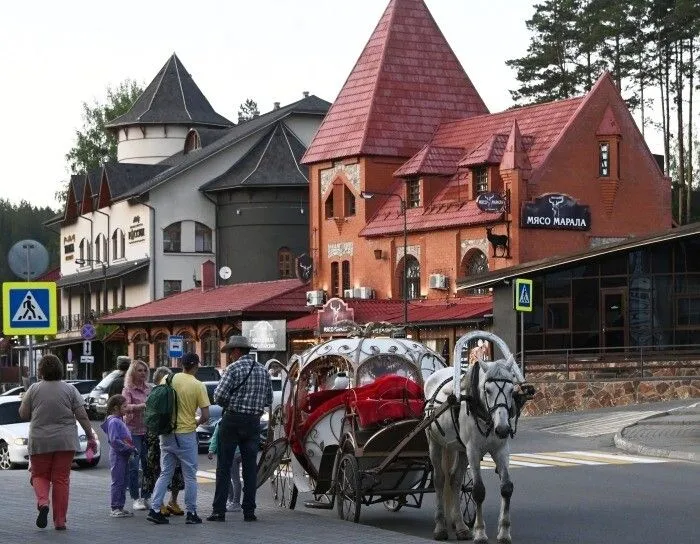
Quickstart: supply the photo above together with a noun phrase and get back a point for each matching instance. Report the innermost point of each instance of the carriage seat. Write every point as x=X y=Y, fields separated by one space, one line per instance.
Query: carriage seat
x=389 y=398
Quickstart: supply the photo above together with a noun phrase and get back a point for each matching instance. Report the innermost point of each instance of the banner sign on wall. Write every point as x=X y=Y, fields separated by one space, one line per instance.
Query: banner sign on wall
x=555 y=211
x=336 y=317
x=491 y=202
x=266 y=335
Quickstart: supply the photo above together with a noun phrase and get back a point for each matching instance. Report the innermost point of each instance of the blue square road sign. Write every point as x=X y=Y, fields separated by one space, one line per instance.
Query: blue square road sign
x=29 y=308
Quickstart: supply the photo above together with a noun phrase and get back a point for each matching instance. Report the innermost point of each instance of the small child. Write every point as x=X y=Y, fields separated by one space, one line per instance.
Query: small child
x=121 y=449
x=234 y=490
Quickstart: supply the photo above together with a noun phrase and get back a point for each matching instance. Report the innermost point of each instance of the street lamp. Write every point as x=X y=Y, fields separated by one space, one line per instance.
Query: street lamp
x=367 y=195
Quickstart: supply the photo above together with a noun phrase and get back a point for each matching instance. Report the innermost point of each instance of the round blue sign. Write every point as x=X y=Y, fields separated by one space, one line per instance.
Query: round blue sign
x=88 y=331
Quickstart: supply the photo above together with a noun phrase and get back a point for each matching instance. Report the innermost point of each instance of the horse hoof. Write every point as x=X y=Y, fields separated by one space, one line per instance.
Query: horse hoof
x=464 y=535
x=440 y=535
x=504 y=541
x=481 y=541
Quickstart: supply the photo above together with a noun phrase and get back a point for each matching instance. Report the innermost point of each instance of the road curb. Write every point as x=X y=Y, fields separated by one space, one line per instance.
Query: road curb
x=640 y=449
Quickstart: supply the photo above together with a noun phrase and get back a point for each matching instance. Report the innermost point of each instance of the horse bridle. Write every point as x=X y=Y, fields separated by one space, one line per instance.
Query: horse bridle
x=475 y=408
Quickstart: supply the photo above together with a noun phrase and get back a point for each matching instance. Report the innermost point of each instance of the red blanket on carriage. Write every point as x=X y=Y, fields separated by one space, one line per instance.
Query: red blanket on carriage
x=389 y=398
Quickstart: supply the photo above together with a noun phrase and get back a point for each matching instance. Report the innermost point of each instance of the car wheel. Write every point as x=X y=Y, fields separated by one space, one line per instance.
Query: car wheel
x=82 y=463
x=5 y=463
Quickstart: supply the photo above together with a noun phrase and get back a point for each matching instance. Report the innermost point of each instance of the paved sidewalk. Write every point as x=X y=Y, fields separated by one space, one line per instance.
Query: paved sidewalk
x=674 y=434
x=89 y=521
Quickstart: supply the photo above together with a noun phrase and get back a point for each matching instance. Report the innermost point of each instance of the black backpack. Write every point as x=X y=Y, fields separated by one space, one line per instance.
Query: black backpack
x=161 y=408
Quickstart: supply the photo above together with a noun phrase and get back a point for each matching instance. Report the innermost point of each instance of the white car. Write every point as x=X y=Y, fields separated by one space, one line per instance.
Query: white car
x=14 y=435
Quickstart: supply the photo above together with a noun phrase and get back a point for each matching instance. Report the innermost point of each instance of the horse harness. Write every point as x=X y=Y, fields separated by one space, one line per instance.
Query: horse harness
x=480 y=413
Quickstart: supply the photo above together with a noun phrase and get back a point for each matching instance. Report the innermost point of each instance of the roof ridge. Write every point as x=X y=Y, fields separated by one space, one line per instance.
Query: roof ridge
x=285 y=129
x=155 y=91
x=262 y=155
x=182 y=91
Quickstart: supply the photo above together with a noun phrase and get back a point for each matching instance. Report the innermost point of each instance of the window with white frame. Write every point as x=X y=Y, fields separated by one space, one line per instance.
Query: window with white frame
x=118 y=244
x=171 y=287
x=172 y=235
x=202 y=238
x=481 y=179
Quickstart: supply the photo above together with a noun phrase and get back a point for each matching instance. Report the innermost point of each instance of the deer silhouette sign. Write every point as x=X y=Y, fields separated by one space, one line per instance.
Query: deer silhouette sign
x=497 y=240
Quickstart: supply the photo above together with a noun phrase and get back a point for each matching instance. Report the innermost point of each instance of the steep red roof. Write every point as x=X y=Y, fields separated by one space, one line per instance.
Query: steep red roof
x=530 y=131
x=419 y=311
x=405 y=83
x=432 y=160
x=231 y=300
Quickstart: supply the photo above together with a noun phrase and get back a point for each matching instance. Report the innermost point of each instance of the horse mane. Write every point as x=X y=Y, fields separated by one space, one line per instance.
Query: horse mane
x=503 y=369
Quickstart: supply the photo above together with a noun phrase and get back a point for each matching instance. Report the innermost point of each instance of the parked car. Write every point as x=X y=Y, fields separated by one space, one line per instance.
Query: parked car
x=13 y=391
x=14 y=435
x=205 y=429
x=84 y=387
x=97 y=398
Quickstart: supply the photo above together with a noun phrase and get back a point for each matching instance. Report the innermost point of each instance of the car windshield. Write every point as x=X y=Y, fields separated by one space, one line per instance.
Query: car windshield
x=9 y=413
x=108 y=379
x=84 y=387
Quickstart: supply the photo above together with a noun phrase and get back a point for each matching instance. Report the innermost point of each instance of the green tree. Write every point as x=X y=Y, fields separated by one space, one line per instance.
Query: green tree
x=93 y=144
x=248 y=110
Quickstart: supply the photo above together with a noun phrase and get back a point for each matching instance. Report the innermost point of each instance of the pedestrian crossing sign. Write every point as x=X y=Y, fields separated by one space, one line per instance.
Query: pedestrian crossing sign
x=29 y=308
x=523 y=295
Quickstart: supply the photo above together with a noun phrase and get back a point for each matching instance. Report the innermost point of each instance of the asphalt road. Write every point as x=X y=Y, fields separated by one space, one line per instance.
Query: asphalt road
x=624 y=499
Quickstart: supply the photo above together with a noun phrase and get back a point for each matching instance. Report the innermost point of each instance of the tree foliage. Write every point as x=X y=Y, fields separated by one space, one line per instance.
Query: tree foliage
x=650 y=47
x=93 y=144
x=24 y=222
x=248 y=110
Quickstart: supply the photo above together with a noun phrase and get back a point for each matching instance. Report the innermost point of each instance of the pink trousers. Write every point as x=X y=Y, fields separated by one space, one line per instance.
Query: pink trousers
x=51 y=471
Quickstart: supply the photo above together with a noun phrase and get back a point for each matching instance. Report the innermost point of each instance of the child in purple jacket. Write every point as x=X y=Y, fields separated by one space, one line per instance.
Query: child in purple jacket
x=121 y=449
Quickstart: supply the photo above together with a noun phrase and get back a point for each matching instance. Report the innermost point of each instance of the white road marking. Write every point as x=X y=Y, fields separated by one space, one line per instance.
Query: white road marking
x=570 y=459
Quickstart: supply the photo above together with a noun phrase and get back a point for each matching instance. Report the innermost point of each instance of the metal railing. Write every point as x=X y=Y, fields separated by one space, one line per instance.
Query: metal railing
x=614 y=363
x=74 y=322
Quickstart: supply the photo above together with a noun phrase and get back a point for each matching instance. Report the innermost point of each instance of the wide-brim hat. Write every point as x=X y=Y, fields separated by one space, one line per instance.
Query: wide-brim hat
x=236 y=342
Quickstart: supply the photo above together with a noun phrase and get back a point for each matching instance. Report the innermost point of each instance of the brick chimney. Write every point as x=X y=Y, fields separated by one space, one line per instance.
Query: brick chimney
x=208 y=275
x=306 y=94
x=277 y=106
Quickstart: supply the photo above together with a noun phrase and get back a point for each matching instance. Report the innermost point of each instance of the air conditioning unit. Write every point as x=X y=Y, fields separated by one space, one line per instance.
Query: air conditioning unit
x=315 y=298
x=348 y=293
x=439 y=281
x=366 y=292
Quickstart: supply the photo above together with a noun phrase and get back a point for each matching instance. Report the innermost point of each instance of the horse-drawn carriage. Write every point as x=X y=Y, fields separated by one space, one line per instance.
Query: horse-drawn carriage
x=351 y=426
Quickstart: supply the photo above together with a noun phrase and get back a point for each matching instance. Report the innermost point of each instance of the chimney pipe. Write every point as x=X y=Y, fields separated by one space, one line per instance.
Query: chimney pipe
x=277 y=105
x=208 y=275
x=306 y=94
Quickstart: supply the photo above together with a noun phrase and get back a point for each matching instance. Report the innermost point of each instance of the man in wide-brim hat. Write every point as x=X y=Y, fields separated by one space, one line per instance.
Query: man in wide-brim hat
x=244 y=391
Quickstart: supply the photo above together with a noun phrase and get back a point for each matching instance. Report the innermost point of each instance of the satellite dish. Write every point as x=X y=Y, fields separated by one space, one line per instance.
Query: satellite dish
x=225 y=272
x=28 y=259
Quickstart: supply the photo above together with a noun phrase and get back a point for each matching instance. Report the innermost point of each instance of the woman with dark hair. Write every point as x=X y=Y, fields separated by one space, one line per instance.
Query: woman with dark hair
x=52 y=406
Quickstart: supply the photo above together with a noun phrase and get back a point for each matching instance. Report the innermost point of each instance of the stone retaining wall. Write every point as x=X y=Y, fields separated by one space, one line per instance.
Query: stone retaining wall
x=581 y=393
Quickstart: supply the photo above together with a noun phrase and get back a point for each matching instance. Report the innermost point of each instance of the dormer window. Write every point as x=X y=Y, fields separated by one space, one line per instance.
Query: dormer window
x=481 y=179
x=604 y=159
x=413 y=193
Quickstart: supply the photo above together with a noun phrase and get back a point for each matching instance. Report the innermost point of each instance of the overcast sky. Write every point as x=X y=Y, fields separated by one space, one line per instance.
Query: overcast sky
x=56 y=55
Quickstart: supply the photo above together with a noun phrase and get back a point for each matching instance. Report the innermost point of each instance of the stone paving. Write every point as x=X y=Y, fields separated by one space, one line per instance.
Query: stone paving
x=89 y=521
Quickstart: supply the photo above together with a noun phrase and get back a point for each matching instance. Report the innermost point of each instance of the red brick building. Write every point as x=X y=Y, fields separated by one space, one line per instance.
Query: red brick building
x=554 y=178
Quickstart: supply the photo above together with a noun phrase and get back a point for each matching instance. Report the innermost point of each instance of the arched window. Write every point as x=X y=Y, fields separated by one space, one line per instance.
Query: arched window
x=141 y=347
x=284 y=263
x=335 y=280
x=161 y=348
x=202 y=238
x=171 y=238
x=412 y=277
x=475 y=263
x=329 y=206
x=192 y=142
x=84 y=249
x=188 y=343
x=210 y=348
x=345 y=276
x=118 y=244
x=101 y=248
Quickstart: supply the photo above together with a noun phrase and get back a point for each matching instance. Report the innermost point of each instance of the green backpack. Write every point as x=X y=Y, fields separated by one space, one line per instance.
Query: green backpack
x=161 y=408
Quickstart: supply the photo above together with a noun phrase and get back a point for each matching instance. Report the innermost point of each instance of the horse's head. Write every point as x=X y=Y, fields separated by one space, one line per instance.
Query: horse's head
x=497 y=381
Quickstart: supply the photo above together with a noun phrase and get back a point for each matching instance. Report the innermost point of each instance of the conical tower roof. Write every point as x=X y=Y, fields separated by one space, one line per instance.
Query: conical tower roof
x=171 y=98
x=405 y=83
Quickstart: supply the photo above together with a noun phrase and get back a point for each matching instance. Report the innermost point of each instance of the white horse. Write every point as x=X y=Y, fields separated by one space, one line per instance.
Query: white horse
x=482 y=420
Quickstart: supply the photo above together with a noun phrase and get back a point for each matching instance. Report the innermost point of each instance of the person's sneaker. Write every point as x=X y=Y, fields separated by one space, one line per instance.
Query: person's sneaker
x=174 y=509
x=42 y=517
x=233 y=507
x=193 y=518
x=216 y=516
x=157 y=517
x=121 y=513
x=164 y=510
x=250 y=517
x=140 y=504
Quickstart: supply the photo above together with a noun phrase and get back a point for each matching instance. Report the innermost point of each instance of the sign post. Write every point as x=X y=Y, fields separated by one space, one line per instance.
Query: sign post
x=522 y=302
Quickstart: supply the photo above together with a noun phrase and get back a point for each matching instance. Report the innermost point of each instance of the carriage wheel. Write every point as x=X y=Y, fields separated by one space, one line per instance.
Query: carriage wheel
x=284 y=492
x=466 y=500
x=393 y=505
x=348 y=495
